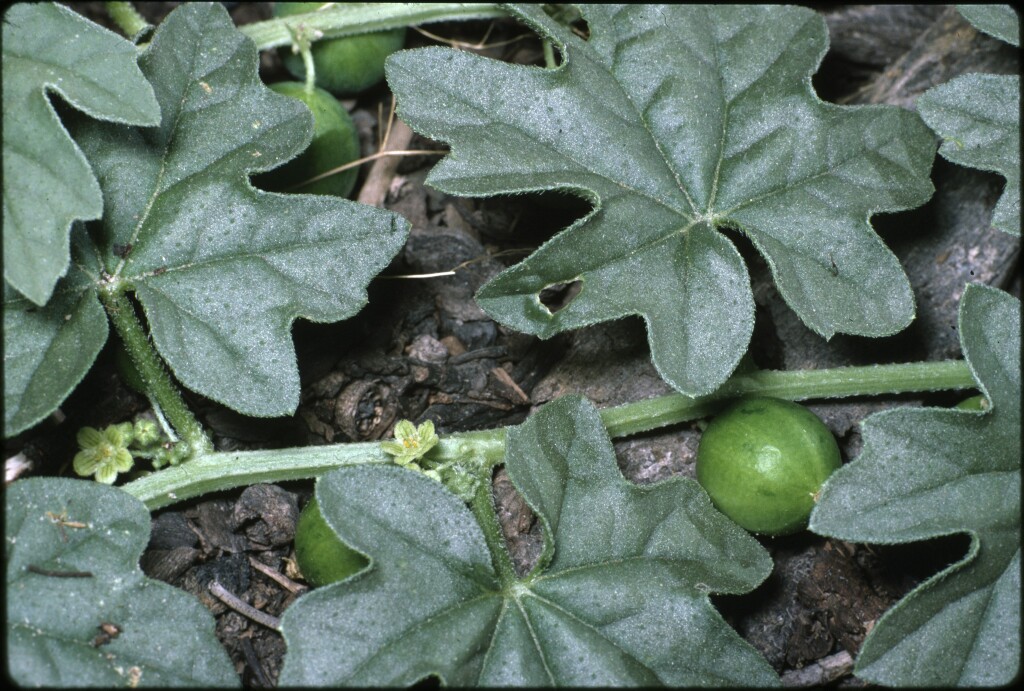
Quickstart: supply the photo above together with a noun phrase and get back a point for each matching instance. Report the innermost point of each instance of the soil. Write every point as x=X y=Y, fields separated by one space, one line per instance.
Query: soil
x=423 y=350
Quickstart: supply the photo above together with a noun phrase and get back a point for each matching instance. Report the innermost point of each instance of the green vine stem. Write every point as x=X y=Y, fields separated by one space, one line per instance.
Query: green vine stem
x=155 y=377
x=219 y=471
x=307 y=63
x=799 y=385
x=360 y=19
x=127 y=18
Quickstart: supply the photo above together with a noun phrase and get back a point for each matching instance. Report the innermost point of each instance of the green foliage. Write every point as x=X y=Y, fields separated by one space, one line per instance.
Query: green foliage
x=1000 y=21
x=978 y=116
x=48 y=350
x=219 y=268
x=345 y=66
x=620 y=595
x=924 y=473
x=166 y=637
x=48 y=184
x=763 y=461
x=677 y=122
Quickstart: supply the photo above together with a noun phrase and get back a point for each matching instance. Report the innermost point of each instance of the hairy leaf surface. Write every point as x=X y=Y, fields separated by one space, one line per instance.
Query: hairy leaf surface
x=619 y=597
x=48 y=48
x=978 y=116
x=220 y=269
x=678 y=122
x=48 y=350
x=1000 y=21
x=924 y=473
x=166 y=637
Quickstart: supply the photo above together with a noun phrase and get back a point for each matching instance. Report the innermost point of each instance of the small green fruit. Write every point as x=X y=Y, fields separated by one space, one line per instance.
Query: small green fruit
x=323 y=558
x=763 y=461
x=344 y=66
x=335 y=143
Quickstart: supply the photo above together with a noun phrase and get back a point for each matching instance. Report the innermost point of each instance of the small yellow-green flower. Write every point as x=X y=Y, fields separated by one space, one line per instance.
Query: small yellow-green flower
x=147 y=432
x=104 y=454
x=411 y=442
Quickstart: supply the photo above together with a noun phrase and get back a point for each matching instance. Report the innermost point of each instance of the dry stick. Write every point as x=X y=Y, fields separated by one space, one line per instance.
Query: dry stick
x=244 y=608
x=479 y=45
x=468 y=262
x=365 y=159
x=820 y=672
x=382 y=172
x=285 y=582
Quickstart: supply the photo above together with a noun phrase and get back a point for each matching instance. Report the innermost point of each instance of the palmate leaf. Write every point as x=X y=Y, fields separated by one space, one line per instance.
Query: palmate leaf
x=57 y=525
x=619 y=597
x=48 y=350
x=676 y=122
x=47 y=181
x=978 y=116
x=924 y=473
x=221 y=269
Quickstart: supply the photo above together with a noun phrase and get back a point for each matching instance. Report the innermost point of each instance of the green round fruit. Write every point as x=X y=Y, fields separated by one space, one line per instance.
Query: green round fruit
x=323 y=558
x=978 y=402
x=763 y=461
x=344 y=66
x=335 y=143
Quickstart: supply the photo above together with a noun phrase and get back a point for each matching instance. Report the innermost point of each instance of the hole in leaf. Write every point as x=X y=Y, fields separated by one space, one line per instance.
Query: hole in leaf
x=427 y=683
x=558 y=295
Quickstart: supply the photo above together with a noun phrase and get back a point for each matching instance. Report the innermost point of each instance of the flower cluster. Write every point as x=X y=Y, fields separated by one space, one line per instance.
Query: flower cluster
x=108 y=452
x=410 y=448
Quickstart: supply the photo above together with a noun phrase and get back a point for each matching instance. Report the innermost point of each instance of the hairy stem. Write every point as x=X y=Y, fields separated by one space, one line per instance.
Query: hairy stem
x=799 y=385
x=157 y=381
x=346 y=21
x=219 y=471
x=127 y=18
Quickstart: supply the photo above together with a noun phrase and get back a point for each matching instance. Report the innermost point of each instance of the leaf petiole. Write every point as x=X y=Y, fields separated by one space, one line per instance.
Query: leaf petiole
x=127 y=18
x=154 y=375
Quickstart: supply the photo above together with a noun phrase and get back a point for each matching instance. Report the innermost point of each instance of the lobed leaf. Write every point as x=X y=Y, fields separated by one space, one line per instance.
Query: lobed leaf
x=978 y=116
x=166 y=637
x=924 y=473
x=678 y=122
x=220 y=269
x=47 y=182
x=620 y=596
x=48 y=350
